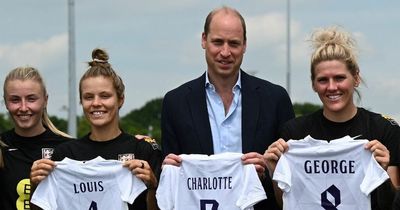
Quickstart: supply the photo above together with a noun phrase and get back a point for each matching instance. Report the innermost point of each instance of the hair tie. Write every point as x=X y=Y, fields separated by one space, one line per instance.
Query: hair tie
x=99 y=60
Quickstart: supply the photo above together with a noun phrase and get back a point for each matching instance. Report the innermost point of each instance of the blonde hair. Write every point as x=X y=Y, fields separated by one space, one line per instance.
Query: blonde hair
x=333 y=43
x=30 y=73
x=2 y=145
x=99 y=66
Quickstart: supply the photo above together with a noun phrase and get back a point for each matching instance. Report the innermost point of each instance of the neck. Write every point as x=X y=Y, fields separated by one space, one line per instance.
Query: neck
x=223 y=84
x=104 y=134
x=30 y=132
x=341 y=116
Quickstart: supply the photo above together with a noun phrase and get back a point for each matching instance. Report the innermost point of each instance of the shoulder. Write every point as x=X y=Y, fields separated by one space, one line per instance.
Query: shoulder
x=144 y=143
x=186 y=87
x=302 y=121
x=55 y=137
x=7 y=136
x=300 y=127
x=263 y=86
x=379 y=119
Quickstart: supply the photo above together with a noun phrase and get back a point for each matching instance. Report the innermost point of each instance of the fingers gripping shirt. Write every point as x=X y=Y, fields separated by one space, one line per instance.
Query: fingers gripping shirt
x=95 y=184
x=217 y=182
x=316 y=174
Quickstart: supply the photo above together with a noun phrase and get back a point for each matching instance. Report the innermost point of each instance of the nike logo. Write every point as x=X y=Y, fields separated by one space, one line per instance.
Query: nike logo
x=12 y=149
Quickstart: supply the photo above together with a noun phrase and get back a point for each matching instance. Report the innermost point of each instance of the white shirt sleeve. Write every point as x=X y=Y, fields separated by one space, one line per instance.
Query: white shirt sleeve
x=253 y=191
x=167 y=184
x=283 y=174
x=45 y=195
x=125 y=178
x=375 y=175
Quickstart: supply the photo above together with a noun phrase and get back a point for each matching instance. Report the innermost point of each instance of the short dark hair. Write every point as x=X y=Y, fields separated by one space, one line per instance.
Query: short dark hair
x=227 y=10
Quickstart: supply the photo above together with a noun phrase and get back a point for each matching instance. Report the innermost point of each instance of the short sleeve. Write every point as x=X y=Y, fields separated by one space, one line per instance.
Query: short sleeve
x=167 y=184
x=283 y=174
x=45 y=195
x=253 y=191
x=375 y=175
x=129 y=185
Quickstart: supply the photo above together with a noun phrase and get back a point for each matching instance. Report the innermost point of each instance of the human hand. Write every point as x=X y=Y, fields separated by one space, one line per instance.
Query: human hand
x=142 y=137
x=40 y=170
x=256 y=159
x=142 y=170
x=273 y=153
x=380 y=152
x=172 y=159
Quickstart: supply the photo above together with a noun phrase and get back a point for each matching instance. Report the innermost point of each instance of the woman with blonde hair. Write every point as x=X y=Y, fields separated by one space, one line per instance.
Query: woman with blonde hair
x=33 y=137
x=335 y=77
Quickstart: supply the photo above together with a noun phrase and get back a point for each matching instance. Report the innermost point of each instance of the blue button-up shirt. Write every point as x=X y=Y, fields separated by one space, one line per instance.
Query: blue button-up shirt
x=226 y=129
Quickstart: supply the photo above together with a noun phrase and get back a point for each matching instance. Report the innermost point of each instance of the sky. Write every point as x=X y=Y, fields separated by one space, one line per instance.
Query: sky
x=155 y=45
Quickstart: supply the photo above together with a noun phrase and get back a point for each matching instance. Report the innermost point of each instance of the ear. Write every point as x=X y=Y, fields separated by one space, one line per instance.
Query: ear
x=121 y=101
x=203 y=40
x=357 y=79
x=312 y=86
x=46 y=98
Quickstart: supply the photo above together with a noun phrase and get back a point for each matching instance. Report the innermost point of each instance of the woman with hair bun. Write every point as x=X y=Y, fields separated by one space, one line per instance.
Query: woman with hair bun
x=335 y=77
x=101 y=93
x=33 y=137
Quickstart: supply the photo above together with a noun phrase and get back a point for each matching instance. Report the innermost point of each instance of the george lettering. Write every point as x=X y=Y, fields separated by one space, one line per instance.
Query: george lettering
x=329 y=166
x=85 y=187
x=209 y=183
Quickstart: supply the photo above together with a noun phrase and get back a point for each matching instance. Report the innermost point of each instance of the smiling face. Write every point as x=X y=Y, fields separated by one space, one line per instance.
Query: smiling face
x=25 y=102
x=335 y=86
x=100 y=102
x=224 y=45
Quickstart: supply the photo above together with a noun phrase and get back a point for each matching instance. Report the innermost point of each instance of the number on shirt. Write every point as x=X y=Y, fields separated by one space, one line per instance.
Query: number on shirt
x=204 y=203
x=93 y=206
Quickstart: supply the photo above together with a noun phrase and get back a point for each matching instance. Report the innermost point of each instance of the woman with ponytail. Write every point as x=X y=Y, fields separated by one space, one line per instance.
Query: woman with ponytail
x=33 y=137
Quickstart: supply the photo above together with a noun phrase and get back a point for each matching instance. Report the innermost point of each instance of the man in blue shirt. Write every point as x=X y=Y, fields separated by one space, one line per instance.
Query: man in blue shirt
x=225 y=109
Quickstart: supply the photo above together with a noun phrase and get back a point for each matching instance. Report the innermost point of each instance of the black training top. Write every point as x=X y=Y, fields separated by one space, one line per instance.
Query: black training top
x=364 y=125
x=18 y=157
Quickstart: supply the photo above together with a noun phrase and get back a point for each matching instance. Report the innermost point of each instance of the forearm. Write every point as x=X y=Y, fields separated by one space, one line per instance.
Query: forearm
x=386 y=194
x=151 y=200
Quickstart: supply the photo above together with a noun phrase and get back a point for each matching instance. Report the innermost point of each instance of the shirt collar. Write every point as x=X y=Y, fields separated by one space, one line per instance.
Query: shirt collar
x=238 y=84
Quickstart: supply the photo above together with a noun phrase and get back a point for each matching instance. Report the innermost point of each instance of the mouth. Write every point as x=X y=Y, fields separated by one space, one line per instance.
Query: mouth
x=225 y=63
x=334 y=97
x=97 y=114
x=24 y=117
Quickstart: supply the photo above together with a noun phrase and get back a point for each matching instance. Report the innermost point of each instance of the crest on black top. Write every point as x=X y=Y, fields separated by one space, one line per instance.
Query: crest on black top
x=391 y=120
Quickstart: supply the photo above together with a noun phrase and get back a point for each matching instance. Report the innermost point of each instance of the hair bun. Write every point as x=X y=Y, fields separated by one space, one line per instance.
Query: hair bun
x=100 y=54
x=332 y=36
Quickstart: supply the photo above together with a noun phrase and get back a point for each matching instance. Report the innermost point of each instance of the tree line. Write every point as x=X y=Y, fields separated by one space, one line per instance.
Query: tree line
x=145 y=120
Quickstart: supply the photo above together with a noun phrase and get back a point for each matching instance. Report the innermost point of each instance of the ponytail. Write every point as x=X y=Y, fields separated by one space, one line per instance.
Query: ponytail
x=47 y=123
x=2 y=146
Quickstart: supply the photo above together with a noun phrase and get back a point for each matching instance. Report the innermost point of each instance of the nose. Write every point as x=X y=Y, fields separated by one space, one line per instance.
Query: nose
x=332 y=85
x=24 y=105
x=226 y=50
x=96 y=101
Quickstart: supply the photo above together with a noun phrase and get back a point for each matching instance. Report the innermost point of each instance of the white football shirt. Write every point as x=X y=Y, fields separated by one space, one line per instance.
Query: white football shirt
x=213 y=182
x=88 y=185
x=317 y=174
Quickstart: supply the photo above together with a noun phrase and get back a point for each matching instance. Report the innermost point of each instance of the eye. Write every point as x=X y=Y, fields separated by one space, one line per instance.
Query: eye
x=340 y=78
x=32 y=99
x=322 y=80
x=234 y=44
x=87 y=97
x=218 y=42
